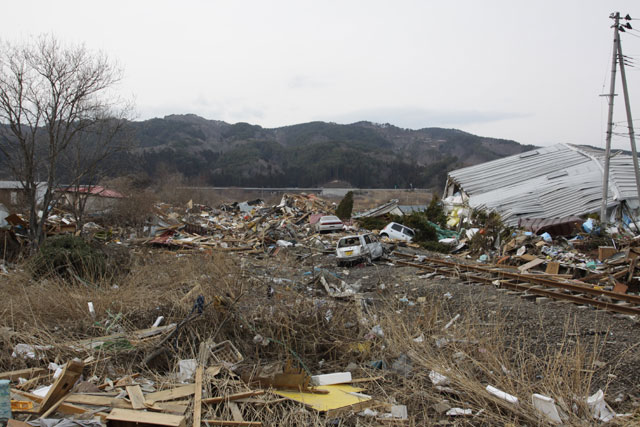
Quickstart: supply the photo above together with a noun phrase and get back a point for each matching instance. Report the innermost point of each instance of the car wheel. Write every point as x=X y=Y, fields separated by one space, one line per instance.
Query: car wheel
x=384 y=235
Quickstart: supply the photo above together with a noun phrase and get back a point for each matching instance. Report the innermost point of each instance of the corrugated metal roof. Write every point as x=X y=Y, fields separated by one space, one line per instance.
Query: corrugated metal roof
x=379 y=210
x=548 y=182
x=408 y=209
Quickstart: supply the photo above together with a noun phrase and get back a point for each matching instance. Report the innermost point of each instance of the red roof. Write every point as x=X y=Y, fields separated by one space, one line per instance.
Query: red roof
x=96 y=190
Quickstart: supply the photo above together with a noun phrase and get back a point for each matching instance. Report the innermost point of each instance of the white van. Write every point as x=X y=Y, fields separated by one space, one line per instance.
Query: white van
x=393 y=230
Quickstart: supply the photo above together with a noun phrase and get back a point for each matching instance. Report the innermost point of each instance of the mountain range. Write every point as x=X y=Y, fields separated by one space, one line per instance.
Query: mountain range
x=362 y=154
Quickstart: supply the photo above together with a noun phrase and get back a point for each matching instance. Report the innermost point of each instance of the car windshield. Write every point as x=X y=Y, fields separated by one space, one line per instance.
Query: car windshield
x=408 y=232
x=349 y=241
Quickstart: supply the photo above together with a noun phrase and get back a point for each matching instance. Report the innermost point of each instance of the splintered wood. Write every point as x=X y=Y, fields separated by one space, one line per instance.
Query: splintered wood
x=62 y=385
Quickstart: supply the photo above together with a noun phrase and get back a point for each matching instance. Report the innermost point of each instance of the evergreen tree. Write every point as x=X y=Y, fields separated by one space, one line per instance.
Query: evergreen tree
x=345 y=207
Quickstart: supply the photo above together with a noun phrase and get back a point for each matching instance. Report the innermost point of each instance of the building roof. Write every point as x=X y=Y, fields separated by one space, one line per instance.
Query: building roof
x=11 y=185
x=409 y=209
x=548 y=182
x=391 y=207
x=94 y=190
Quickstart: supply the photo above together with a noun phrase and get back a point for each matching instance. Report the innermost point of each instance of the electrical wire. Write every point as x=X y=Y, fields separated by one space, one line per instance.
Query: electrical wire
x=632 y=34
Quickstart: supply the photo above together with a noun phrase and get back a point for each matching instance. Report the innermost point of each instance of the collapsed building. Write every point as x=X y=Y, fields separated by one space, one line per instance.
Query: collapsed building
x=549 y=182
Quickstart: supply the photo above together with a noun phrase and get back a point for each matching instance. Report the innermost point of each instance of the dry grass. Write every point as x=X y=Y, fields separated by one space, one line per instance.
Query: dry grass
x=322 y=332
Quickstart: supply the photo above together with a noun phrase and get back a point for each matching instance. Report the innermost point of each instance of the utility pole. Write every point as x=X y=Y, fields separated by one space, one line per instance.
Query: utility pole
x=632 y=137
x=618 y=57
x=612 y=88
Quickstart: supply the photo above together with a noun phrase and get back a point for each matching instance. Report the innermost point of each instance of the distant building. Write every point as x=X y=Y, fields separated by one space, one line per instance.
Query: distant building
x=12 y=193
x=548 y=182
x=98 y=198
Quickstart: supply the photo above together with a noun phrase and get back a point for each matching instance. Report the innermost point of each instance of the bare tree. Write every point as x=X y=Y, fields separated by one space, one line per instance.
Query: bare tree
x=87 y=162
x=52 y=98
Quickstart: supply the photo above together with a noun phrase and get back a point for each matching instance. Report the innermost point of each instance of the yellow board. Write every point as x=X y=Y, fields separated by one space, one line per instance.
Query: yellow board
x=339 y=396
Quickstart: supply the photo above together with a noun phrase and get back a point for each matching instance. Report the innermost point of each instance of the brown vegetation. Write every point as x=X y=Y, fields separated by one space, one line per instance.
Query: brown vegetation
x=300 y=321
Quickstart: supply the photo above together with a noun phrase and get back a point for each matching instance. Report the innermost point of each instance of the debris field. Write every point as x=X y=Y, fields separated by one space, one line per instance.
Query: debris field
x=241 y=315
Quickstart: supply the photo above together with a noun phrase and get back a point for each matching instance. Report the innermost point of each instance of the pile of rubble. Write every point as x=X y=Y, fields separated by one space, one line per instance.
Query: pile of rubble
x=90 y=400
x=245 y=227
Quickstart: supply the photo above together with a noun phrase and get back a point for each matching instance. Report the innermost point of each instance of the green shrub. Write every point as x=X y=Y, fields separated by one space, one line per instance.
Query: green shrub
x=373 y=223
x=68 y=255
x=436 y=247
x=420 y=224
x=435 y=211
x=344 y=209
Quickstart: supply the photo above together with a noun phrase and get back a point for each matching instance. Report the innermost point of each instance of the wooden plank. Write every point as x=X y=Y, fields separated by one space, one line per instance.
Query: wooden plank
x=632 y=269
x=605 y=252
x=171 y=394
x=62 y=385
x=197 y=402
x=231 y=397
x=530 y=264
x=620 y=288
x=135 y=396
x=527 y=257
x=232 y=423
x=22 y=373
x=119 y=417
x=53 y=408
x=169 y=407
x=235 y=411
x=93 y=400
x=126 y=380
x=552 y=268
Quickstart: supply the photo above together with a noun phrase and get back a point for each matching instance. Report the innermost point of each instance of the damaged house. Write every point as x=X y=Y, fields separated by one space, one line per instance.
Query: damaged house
x=95 y=197
x=548 y=182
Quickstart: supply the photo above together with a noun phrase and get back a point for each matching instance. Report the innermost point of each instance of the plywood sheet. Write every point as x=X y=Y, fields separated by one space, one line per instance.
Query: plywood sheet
x=339 y=396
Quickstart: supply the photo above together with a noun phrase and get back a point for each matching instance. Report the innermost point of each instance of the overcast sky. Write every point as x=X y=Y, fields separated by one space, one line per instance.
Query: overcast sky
x=531 y=71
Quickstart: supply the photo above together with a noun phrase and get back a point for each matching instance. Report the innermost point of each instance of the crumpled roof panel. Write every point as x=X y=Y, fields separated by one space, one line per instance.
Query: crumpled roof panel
x=548 y=182
x=518 y=168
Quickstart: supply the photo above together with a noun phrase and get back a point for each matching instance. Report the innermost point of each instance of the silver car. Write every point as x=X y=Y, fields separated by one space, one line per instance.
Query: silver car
x=361 y=247
x=329 y=223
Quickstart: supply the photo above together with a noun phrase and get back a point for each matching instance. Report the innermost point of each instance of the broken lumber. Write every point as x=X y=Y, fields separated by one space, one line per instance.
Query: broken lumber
x=127 y=418
x=62 y=386
x=52 y=409
x=235 y=411
x=171 y=394
x=231 y=397
x=553 y=267
x=93 y=400
x=135 y=396
x=530 y=265
x=197 y=403
x=65 y=408
x=22 y=373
